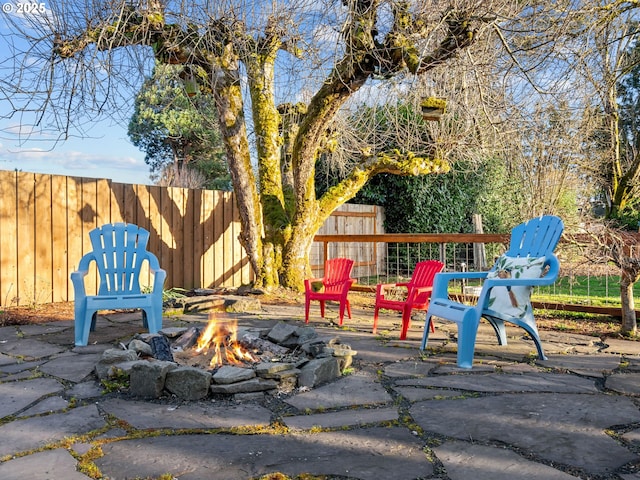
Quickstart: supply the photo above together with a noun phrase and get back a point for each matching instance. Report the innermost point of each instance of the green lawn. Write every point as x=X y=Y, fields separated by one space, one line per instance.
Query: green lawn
x=597 y=291
x=580 y=290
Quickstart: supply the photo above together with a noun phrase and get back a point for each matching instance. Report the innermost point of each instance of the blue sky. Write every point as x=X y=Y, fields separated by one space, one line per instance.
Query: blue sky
x=108 y=154
x=102 y=151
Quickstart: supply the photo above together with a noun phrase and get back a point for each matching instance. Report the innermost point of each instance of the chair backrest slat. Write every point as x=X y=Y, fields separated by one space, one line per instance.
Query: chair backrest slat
x=424 y=273
x=535 y=238
x=119 y=250
x=336 y=272
x=337 y=269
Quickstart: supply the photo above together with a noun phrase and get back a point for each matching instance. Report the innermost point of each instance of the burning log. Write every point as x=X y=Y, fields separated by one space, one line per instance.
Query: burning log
x=222 y=337
x=188 y=339
x=161 y=348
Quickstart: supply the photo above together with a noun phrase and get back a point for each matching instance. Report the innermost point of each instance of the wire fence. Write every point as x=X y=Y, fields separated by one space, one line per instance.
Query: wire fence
x=582 y=284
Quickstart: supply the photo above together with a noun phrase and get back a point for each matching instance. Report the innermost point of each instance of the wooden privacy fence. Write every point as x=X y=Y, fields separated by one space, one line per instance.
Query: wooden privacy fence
x=45 y=221
x=350 y=219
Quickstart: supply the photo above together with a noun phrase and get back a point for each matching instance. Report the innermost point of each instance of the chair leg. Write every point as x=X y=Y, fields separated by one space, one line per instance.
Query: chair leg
x=499 y=329
x=467 y=331
x=406 y=323
x=425 y=334
x=84 y=322
x=80 y=338
x=375 y=320
x=306 y=310
x=152 y=319
x=322 y=308
x=535 y=336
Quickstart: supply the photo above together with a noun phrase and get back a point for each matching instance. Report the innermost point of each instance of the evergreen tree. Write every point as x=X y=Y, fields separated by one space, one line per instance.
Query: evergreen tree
x=177 y=130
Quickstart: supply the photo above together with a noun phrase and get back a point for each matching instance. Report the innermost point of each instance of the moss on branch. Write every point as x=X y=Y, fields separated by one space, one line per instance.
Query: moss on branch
x=395 y=162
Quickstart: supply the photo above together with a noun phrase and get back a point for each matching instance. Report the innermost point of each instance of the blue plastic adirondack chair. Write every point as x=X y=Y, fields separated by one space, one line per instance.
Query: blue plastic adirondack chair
x=119 y=251
x=506 y=290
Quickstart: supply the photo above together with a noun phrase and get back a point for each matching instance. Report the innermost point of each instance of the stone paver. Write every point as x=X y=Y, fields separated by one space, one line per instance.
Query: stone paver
x=35 y=432
x=18 y=395
x=464 y=460
x=357 y=389
x=199 y=415
x=567 y=429
x=400 y=415
x=625 y=383
x=47 y=465
x=588 y=365
x=367 y=454
x=344 y=418
x=499 y=382
x=71 y=366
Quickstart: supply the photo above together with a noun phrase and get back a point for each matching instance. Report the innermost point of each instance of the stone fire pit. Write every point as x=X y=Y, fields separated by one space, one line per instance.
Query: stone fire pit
x=283 y=358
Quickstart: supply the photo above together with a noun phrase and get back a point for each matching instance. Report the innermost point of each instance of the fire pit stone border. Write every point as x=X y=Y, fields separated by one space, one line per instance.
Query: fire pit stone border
x=299 y=359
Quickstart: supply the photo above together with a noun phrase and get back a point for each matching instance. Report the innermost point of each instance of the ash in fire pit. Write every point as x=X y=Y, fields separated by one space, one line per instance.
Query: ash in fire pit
x=221 y=358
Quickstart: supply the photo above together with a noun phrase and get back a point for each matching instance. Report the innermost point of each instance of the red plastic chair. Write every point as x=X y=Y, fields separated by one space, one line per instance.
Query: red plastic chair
x=418 y=294
x=336 y=283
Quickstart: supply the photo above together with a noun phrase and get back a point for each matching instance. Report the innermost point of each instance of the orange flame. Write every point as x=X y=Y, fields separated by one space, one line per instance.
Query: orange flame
x=223 y=337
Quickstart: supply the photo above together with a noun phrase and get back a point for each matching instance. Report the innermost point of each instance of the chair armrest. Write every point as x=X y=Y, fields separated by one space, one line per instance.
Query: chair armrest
x=441 y=281
x=381 y=287
x=346 y=285
x=416 y=291
x=547 y=279
x=309 y=281
x=77 y=277
x=159 y=275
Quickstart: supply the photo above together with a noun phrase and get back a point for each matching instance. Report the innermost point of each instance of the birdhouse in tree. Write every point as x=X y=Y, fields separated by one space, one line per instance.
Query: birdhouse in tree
x=191 y=85
x=432 y=108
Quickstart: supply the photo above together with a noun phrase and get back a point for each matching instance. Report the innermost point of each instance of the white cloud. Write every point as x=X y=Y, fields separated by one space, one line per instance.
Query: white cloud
x=120 y=168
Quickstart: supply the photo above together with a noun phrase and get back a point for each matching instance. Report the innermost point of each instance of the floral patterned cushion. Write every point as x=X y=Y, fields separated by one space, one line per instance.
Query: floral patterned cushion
x=514 y=300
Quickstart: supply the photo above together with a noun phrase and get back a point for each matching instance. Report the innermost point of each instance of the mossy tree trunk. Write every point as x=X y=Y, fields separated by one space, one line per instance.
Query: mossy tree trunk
x=629 y=325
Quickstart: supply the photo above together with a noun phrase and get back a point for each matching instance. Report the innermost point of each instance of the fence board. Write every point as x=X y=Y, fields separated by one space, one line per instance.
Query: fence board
x=25 y=238
x=155 y=221
x=218 y=230
x=208 y=255
x=130 y=210
x=228 y=241
x=236 y=254
x=75 y=237
x=188 y=224
x=89 y=221
x=142 y=220
x=116 y=202
x=9 y=236
x=177 y=232
x=42 y=237
x=167 y=244
x=103 y=202
x=59 y=238
x=198 y=237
